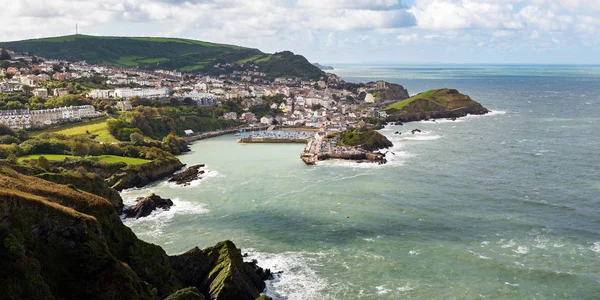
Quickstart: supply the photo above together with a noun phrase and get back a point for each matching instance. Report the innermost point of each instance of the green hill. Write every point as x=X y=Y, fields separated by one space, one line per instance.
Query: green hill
x=163 y=53
x=442 y=103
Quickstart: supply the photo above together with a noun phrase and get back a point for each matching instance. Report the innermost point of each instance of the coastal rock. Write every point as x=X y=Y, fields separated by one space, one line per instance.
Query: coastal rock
x=219 y=272
x=415 y=130
x=392 y=92
x=369 y=140
x=141 y=175
x=190 y=293
x=434 y=104
x=146 y=205
x=190 y=174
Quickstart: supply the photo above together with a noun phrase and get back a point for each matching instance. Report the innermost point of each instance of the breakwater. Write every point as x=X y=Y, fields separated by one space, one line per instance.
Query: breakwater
x=211 y=134
x=259 y=140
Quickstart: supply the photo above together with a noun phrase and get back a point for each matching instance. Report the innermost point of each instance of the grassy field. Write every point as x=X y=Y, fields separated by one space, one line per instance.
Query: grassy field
x=101 y=158
x=98 y=127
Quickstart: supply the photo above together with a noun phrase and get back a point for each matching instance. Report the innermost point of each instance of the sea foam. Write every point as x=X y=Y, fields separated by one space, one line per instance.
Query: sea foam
x=298 y=281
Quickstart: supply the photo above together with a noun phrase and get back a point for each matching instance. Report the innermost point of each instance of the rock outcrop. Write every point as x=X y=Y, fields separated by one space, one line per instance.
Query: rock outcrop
x=392 y=92
x=219 y=272
x=144 y=206
x=190 y=174
x=436 y=104
x=367 y=139
x=60 y=242
x=141 y=175
x=190 y=293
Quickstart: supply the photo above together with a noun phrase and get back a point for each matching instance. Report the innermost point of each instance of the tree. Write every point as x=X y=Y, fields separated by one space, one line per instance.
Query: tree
x=80 y=149
x=27 y=90
x=136 y=138
x=14 y=105
x=43 y=163
x=12 y=158
x=4 y=55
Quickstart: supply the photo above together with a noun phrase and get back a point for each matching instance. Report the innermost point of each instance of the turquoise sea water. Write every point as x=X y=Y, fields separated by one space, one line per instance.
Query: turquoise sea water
x=503 y=206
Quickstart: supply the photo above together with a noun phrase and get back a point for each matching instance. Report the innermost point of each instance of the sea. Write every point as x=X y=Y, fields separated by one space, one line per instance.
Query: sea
x=500 y=206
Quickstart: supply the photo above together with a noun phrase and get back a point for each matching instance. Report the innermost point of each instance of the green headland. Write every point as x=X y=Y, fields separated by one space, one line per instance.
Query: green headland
x=164 y=53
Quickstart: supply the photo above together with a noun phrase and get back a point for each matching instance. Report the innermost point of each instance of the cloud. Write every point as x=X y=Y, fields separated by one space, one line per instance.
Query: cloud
x=464 y=14
x=407 y=38
x=351 y=4
x=319 y=27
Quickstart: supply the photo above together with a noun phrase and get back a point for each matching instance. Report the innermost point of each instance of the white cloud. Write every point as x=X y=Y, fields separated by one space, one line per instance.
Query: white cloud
x=407 y=38
x=362 y=27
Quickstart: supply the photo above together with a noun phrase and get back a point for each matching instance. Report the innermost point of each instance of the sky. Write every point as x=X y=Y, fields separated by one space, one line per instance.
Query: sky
x=337 y=31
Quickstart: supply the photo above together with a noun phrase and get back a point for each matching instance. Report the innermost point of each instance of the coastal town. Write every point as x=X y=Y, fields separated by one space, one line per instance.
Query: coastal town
x=328 y=103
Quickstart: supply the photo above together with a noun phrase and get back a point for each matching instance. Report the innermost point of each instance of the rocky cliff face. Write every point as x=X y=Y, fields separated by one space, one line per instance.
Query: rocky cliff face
x=141 y=175
x=393 y=92
x=60 y=242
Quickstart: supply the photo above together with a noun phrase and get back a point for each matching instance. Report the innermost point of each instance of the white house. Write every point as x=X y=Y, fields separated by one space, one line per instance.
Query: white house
x=266 y=120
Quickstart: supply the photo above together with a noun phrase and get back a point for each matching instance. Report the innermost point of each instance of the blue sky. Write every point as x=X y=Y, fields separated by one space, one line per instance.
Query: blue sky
x=334 y=31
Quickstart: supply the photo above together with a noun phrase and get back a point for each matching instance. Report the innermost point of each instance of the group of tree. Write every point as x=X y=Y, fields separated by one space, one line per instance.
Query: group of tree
x=158 y=122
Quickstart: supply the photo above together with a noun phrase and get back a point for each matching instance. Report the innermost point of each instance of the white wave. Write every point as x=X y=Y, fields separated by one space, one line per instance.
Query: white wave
x=406 y=288
x=414 y=252
x=381 y=290
x=479 y=255
x=298 y=280
x=347 y=164
x=490 y=114
x=511 y=284
x=596 y=247
x=522 y=250
x=510 y=244
x=418 y=137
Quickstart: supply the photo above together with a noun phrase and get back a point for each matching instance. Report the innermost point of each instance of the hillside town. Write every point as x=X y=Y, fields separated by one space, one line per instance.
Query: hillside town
x=329 y=102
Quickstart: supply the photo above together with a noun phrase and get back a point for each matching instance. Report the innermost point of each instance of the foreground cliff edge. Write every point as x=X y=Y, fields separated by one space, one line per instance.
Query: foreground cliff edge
x=59 y=242
x=441 y=103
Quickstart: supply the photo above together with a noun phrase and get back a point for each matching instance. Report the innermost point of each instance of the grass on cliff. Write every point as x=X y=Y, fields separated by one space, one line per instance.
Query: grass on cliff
x=429 y=95
x=102 y=158
x=97 y=127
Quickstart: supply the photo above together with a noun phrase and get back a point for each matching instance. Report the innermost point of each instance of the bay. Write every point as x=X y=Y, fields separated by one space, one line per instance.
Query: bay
x=502 y=206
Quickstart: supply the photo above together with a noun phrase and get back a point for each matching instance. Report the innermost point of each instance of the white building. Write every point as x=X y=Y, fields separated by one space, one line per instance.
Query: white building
x=201 y=99
x=16 y=119
x=124 y=105
x=369 y=98
x=142 y=93
x=101 y=94
x=37 y=118
x=266 y=120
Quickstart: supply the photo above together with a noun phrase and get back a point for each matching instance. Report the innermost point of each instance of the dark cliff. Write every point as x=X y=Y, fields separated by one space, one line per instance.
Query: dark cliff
x=61 y=242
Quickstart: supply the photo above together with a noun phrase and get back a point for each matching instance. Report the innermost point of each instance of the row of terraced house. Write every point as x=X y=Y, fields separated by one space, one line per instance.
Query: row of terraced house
x=25 y=118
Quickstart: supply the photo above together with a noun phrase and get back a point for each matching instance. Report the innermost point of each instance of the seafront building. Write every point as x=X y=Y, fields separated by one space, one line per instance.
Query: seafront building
x=24 y=118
